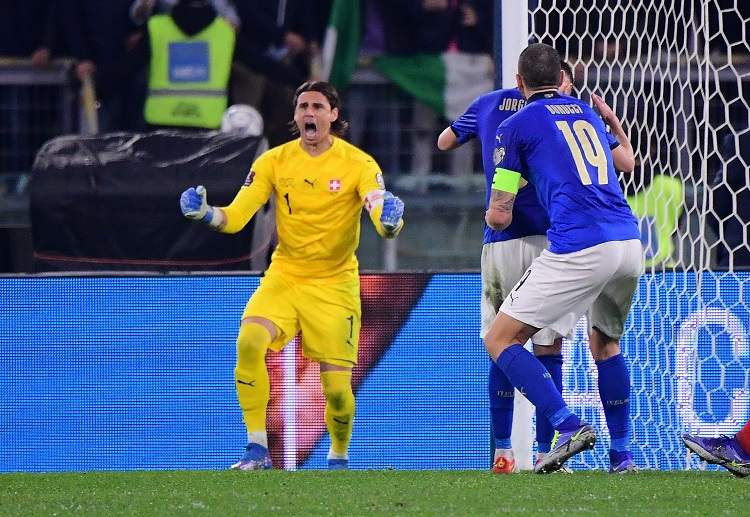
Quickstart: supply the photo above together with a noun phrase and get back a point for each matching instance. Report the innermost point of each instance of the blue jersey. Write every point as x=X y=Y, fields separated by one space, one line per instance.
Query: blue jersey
x=481 y=119
x=560 y=145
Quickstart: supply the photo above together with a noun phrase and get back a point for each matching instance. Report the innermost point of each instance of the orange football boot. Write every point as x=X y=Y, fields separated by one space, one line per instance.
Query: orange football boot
x=504 y=465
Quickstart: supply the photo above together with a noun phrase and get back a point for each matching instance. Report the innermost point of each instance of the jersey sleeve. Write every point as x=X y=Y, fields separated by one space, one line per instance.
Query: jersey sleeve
x=465 y=126
x=370 y=178
x=253 y=194
x=507 y=154
x=612 y=141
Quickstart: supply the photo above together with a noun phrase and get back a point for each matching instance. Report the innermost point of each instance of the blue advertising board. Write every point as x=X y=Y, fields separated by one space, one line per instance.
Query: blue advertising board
x=136 y=372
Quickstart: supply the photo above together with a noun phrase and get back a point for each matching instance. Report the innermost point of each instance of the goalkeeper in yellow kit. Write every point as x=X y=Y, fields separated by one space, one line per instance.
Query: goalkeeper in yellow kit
x=320 y=184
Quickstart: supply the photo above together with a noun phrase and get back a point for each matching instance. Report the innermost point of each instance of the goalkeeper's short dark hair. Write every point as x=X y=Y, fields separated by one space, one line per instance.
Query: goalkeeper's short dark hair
x=338 y=126
x=539 y=65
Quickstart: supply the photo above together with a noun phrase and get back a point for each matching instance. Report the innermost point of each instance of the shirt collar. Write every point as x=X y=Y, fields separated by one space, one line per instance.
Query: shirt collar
x=547 y=94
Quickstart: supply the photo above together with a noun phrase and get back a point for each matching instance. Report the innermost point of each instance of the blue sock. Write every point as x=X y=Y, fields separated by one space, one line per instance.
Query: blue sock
x=535 y=382
x=614 y=390
x=544 y=429
x=617 y=457
x=501 y=393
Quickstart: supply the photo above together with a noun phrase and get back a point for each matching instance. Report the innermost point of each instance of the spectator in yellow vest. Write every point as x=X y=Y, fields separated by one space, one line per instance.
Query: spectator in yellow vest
x=191 y=51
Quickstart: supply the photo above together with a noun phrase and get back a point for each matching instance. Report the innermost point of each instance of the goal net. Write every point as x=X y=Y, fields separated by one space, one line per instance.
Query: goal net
x=678 y=75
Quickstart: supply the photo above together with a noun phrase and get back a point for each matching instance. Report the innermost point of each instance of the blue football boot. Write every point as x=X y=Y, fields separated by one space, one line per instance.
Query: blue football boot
x=724 y=451
x=338 y=464
x=621 y=463
x=255 y=458
x=564 y=446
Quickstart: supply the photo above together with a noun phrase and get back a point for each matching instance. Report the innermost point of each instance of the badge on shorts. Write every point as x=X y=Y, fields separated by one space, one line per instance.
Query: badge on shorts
x=334 y=185
x=249 y=179
x=379 y=180
x=498 y=155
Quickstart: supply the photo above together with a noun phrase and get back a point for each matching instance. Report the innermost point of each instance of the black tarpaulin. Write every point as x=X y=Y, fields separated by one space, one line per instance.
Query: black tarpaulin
x=111 y=202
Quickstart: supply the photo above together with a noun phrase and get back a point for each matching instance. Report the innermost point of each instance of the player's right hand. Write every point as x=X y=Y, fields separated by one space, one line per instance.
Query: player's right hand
x=194 y=205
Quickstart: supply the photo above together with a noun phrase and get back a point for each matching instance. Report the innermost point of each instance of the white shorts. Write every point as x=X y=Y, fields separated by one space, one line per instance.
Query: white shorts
x=503 y=265
x=559 y=288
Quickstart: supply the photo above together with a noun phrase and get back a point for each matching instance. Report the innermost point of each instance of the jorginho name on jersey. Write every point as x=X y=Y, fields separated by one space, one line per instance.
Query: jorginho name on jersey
x=481 y=119
x=561 y=146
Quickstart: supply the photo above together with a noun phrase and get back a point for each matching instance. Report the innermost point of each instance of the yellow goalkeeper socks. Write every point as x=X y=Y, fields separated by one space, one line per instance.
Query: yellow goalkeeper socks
x=339 y=415
x=251 y=376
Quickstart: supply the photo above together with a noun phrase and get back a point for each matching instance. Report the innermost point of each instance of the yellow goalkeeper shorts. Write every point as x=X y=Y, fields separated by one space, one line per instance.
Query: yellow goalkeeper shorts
x=327 y=313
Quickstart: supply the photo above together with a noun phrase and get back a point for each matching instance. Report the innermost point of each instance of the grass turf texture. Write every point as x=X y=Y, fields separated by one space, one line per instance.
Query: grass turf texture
x=363 y=492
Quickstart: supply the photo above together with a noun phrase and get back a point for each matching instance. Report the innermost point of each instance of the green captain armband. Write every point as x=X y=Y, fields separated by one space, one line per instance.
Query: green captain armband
x=506 y=180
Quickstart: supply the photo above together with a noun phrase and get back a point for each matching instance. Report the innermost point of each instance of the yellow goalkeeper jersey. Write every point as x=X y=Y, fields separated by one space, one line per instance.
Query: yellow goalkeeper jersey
x=318 y=202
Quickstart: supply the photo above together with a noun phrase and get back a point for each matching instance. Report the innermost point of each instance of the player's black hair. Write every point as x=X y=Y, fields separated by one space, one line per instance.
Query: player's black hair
x=565 y=67
x=539 y=65
x=338 y=126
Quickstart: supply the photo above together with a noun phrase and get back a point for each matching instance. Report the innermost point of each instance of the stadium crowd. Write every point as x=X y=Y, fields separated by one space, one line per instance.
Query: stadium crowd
x=278 y=43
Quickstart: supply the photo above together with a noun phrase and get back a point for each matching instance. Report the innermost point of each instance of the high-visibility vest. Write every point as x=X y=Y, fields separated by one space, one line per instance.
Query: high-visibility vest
x=188 y=77
x=658 y=210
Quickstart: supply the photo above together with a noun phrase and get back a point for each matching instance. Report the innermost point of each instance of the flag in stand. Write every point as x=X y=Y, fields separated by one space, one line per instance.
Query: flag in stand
x=341 y=44
x=447 y=82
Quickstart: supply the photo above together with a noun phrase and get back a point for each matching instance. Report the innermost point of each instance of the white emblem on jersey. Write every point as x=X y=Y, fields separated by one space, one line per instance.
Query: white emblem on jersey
x=498 y=155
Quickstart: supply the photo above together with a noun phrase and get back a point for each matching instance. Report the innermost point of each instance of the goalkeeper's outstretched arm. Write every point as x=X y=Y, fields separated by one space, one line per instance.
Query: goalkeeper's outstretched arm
x=386 y=212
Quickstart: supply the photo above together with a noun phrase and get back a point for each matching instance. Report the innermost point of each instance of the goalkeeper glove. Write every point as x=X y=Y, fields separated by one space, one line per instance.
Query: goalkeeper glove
x=195 y=207
x=393 y=209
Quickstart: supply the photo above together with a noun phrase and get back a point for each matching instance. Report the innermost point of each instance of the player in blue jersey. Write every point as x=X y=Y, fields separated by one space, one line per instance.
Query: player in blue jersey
x=505 y=257
x=507 y=254
x=560 y=146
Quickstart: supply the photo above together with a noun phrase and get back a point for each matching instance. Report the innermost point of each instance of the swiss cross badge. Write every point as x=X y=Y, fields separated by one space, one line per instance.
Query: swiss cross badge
x=334 y=185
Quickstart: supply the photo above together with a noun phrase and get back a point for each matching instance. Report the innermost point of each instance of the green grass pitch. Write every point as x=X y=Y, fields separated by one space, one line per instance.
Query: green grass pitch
x=441 y=493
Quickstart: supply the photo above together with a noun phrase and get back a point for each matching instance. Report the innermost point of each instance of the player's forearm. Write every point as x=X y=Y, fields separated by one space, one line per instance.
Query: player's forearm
x=234 y=218
x=499 y=212
x=447 y=140
x=498 y=220
x=624 y=158
x=239 y=211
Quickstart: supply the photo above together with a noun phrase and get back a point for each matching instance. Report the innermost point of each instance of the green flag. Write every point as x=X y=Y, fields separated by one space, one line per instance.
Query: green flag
x=341 y=44
x=446 y=82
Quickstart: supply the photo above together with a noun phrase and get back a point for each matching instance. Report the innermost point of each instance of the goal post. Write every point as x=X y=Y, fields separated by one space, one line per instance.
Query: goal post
x=512 y=16
x=678 y=76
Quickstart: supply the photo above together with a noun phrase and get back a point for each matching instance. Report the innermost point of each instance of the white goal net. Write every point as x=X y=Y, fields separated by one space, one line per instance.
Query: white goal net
x=678 y=75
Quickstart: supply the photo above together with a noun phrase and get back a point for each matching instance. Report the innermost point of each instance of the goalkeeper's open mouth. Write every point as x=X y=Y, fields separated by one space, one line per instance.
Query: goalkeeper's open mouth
x=310 y=130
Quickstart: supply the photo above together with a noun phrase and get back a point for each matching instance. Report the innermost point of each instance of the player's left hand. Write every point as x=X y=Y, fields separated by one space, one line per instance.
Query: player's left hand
x=393 y=210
